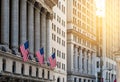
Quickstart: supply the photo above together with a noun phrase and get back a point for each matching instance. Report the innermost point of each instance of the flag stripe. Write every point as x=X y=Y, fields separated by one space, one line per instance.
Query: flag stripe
x=24 y=51
x=40 y=56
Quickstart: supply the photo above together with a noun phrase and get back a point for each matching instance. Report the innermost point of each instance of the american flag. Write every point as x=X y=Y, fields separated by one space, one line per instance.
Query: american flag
x=52 y=60
x=40 y=55
x=24 y=50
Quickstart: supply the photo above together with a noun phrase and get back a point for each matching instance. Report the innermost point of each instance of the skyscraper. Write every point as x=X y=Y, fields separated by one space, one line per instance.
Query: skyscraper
x=108 y=37
x=81 y=40
x=58 y=40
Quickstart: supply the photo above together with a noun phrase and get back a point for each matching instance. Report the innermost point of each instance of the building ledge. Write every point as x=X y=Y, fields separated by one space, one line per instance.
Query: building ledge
x=23 y=77
x=81 y=75
x=19 y=58
x=51 y=3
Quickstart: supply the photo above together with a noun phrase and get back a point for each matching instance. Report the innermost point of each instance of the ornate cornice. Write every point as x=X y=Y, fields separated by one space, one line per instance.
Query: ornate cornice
x=51 y=3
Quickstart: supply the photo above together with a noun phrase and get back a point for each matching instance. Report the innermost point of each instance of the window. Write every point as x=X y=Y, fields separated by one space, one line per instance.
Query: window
x=84 y=80
x=97 y=64
x=74 y=79
x=14 y=67
x=4 y=65
x=79 y=80
x=48 y=74
x=37 y=72
x=30 y=70
x=22 y=69
x=54 y=15
x=43 y=73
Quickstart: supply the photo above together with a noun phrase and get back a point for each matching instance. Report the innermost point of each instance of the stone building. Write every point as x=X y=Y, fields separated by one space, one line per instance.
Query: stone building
x=22 y=20
x=58 y=40
x=108 y=40
x=81 y=41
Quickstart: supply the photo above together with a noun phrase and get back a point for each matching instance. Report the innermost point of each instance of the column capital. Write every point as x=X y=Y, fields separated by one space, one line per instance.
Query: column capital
x=49 y=15
x=38 y=6
x=31 y=1
x=43 y=11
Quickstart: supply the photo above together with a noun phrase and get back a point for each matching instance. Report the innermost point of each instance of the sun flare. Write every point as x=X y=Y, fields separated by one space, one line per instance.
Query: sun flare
x=100 y=7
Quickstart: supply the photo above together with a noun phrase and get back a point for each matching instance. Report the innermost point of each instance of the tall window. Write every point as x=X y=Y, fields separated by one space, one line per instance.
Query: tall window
x=4 y=65
x=58 y=79
x=14 y=67
x=22 y=69
x=37 y=72
x=74 y=79
x=79 y=80
x=43 y=73
x=30 y=70
x=48 y=74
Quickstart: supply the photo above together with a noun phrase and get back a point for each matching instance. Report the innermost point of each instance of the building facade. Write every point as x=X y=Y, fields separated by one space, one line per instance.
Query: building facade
x=22 y=20
x=81 y=41
x=108 y=40
x=58 y=40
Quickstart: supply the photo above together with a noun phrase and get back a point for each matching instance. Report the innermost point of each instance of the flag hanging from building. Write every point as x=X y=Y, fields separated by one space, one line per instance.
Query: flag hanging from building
x=24 y=50
x=40 y=55
x=52 y=60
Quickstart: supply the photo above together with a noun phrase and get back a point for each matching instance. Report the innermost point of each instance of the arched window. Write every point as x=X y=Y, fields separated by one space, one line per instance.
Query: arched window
x=4 y=64
x=14 y=67
x=37 y=72
x=22 y=69
x=43 y=73
x=30 y=70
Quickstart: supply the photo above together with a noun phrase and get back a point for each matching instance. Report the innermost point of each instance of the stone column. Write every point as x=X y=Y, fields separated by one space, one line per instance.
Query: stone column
x=80 y=61
x=43 y=31
x=93 y=63
x=14 y=26
x=85 y=61
x=31 y=28
x=89 y=63
x=37 y=27
x=48 y=34
x=23 y=24
x=5 y=24
x=76 y=59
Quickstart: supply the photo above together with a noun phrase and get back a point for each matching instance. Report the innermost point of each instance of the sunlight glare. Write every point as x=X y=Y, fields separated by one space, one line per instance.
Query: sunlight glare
x=100 y=7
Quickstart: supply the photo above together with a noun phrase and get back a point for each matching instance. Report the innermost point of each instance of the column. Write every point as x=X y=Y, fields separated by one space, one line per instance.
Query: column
x=14 y=26
x=80 y=61
x=93 y=63
x=85 y=61
x=76 y=59
x=43 y=30
x=23 y=24
x=5 y=24
x=89 y=63
x=31 y=29
x=48 y=35
x=37 y=27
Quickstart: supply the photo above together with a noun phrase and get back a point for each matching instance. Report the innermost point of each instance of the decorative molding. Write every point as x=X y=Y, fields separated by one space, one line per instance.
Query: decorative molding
x=51 y=3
